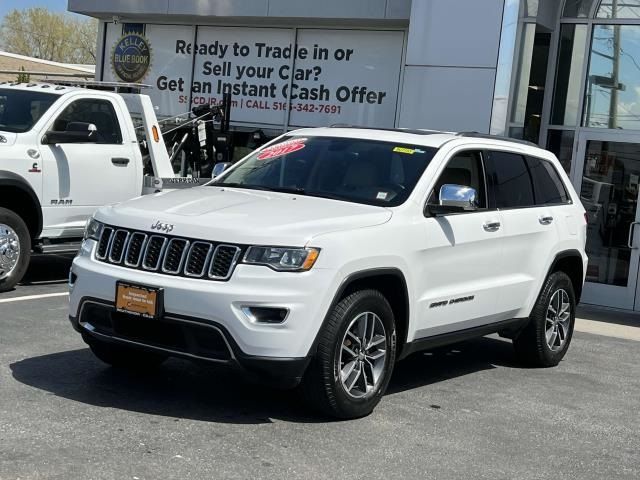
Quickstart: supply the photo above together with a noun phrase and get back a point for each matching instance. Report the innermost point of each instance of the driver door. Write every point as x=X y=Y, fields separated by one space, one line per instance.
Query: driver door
x=79 y=177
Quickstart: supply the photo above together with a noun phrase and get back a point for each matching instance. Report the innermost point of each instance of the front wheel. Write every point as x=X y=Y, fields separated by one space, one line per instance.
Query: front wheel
x=15 y=249
x=355 y=357
x=546 y=338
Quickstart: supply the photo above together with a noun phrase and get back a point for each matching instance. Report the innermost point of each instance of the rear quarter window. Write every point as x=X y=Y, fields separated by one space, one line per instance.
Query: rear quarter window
x=547 y=185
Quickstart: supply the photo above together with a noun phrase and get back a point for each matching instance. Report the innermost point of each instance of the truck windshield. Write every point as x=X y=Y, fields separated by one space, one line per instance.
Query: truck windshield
x=348 y=169
x=21 y=109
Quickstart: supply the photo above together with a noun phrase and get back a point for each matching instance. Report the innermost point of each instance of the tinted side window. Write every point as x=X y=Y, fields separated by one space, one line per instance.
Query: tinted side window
x=548 y=187
x=464 y=169
x=509 y=180
x=98 y=112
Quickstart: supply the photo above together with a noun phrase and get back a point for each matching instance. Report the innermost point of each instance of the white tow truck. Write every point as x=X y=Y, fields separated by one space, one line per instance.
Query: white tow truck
x=65 y=151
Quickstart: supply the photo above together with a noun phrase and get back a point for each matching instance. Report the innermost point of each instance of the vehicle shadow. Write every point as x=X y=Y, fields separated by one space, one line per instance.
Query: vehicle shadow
x=439 y=365
x=48 y=269
x=182 y=390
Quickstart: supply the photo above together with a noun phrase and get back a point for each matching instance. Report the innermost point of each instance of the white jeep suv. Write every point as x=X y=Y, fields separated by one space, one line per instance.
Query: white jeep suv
x=330 y=254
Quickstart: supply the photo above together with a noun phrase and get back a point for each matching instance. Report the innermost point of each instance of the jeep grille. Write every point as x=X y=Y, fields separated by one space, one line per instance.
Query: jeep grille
x=167 y=255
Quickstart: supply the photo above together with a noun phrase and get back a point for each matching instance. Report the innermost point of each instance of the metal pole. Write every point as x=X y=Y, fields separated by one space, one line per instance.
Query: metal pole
x=615 y=73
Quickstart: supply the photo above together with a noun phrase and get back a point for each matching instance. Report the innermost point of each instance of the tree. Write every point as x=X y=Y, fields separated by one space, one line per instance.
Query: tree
x=40 y=33
x=23 y=77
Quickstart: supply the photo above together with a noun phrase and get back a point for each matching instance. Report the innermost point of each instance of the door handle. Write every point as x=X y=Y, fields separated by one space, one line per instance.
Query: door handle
x=120 y=161
x=492 y=226
x=632 y=229
x=545 y=220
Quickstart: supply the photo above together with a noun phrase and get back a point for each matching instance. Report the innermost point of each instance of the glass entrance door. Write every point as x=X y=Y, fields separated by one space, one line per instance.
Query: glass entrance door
x=607 y=176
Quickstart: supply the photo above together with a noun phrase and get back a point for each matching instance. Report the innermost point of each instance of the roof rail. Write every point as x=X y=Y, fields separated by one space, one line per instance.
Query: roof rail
x=496 y=137
x=117 y=87
x=400 y=130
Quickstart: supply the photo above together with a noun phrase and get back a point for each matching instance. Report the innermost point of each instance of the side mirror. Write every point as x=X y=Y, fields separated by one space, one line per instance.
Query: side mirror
x=455 y=199
x=218 y=168
x=76 y=132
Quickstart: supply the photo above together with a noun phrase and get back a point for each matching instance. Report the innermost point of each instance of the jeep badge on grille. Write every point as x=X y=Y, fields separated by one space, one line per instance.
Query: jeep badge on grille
x=162 y=227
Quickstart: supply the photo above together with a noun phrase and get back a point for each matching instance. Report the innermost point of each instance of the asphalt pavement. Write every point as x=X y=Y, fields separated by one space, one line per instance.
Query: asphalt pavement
x=465 y=412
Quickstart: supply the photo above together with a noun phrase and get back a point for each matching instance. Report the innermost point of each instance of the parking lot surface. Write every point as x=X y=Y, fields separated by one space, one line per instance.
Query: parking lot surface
x=469 y=411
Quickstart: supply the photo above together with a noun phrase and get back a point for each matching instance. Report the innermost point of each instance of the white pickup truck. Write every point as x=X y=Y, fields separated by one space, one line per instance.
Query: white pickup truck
x=65 y=151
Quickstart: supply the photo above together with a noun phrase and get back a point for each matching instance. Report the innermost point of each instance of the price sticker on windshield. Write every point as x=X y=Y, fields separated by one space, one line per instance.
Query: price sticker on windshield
x=281 y=149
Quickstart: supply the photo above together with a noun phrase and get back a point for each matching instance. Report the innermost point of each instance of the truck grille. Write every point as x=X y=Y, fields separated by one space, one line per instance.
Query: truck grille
x=168 y=255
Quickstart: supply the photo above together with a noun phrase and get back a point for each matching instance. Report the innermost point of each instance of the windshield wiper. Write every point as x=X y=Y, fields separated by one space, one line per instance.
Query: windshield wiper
x=238 y=185
x=294 y=190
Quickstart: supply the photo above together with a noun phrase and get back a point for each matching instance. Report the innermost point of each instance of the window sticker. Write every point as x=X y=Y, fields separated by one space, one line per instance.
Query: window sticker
x=283 y=148
x=408 y=151
x=382 y=196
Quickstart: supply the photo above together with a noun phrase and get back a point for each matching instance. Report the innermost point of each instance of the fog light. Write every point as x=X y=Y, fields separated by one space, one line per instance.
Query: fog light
x=72 y=279
x=266 y=314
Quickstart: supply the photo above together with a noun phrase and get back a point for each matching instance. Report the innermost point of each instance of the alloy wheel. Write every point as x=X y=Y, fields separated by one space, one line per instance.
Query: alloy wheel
x=558 y=320
x=9 y=250
x=363 y=355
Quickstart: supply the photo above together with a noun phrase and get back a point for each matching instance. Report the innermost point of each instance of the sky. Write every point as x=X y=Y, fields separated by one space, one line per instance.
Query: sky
x=7 y=5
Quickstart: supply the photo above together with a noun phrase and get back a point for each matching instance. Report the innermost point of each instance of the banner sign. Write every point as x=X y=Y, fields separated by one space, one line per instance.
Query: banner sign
x=327 y=77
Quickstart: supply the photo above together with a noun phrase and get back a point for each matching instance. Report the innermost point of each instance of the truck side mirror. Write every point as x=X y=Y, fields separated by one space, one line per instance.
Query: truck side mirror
x=76 y=132
x=218 y=168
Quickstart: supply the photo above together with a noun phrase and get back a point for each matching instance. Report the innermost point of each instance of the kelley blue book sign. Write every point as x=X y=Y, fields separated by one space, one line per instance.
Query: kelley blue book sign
x=326 y=77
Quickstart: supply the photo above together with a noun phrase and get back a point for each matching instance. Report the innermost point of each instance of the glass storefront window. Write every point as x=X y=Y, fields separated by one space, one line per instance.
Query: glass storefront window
x=619 y=9
x=566 y=101
x=577 y=8
x=531 y=75
x=524 y=70
x=609 y=194
x=613 y=85
x=560 y=143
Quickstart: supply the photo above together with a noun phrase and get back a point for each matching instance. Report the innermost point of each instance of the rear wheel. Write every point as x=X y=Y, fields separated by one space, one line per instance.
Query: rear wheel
x=15 y=249
x=124 y=357
x=355 y=357
x=546 y=338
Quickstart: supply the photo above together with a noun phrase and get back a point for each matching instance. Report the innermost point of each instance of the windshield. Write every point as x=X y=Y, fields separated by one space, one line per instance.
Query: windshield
x=349 y=169
x=20 y=109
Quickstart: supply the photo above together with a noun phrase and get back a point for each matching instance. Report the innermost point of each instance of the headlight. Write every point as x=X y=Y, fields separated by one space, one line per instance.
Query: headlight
x=283 y=259
x=93 y=229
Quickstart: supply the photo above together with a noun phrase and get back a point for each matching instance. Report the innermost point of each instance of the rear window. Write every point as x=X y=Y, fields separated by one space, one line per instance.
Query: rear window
x=547 y=185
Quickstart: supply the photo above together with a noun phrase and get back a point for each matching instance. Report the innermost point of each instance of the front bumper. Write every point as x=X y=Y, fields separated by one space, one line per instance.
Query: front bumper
x=181 y=337
x=210 y=311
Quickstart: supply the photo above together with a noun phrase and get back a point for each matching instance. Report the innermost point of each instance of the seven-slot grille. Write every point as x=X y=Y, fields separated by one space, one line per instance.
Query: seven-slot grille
x=168 y=255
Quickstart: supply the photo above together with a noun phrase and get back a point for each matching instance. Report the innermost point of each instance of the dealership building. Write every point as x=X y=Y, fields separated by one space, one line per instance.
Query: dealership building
x=564 y=74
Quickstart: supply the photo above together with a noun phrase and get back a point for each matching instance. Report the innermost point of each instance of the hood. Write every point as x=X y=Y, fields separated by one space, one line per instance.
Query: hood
x=7 y=139
x=243 y=216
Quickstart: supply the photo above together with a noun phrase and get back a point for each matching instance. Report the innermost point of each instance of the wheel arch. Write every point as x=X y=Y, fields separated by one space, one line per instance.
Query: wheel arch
x=570 y=262
x=389 y=281
x=18 y=196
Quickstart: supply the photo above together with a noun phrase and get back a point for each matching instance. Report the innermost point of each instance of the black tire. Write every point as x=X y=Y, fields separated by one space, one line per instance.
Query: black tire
x=531 y=345
x=322 y=385
x=123 y=357
x=13 y=221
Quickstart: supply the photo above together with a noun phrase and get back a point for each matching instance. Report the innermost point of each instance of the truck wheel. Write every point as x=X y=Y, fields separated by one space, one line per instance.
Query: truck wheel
x=355 y=357
x=546 y=338
x=125 y=358
x=15 y=249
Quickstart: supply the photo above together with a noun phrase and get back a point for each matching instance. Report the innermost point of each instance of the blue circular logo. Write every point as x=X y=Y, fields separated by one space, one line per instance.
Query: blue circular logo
x=131 y=57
